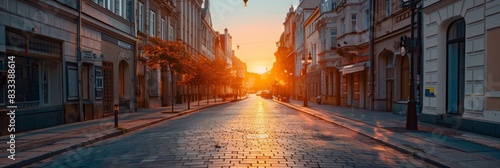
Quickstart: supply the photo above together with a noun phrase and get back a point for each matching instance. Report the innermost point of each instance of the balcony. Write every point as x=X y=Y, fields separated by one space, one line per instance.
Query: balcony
x=353 y=39
x=351 y=45
x=327 y=59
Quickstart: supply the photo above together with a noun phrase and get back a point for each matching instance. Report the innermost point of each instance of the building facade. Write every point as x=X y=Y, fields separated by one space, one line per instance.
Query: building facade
x=311 y=46
x=461 y=75
x=154 y=18
x=328 y=60
x=302 y=12
x=392 y=70
x=67 y=61
x=352 y=45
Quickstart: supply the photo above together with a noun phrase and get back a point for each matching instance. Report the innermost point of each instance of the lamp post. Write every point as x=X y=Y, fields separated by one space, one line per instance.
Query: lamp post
x=305 y=62
x=115 y=111
x=285 y=84
x=411 y=115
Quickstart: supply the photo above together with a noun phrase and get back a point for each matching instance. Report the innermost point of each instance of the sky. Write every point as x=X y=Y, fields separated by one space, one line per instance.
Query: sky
x=256 y=28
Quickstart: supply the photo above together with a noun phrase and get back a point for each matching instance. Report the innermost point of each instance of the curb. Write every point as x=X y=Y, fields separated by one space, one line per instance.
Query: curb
x=401 y=148
x=113 y=133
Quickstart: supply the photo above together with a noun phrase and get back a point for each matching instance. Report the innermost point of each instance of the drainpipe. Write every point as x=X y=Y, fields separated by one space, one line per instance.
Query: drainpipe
x=372 y=57
x=421 y=58
x=79 y=60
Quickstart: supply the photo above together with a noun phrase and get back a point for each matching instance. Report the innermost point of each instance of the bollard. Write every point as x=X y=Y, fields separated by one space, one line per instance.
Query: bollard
x=116 y=115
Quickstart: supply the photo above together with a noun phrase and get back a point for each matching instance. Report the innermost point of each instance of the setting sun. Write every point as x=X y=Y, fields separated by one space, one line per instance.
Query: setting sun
x=261 y=69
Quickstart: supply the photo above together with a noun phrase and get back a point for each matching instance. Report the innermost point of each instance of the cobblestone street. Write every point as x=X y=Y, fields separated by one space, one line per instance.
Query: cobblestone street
x=254 y=132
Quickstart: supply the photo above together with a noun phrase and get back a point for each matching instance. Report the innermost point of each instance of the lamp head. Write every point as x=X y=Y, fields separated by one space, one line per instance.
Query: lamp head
x=309 y=58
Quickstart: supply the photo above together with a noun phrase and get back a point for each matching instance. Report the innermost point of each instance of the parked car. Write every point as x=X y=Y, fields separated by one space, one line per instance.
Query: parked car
x=266 y=94
x=258 y=93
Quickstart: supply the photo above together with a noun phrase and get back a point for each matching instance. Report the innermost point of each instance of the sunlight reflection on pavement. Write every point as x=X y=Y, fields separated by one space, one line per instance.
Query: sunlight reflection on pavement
x=251 y=133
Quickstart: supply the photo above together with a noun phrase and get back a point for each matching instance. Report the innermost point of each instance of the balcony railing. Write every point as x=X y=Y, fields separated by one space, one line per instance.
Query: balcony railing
x=355 y=38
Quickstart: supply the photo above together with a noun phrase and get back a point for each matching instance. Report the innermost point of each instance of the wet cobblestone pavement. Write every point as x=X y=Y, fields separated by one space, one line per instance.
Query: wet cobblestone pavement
x=254 y=132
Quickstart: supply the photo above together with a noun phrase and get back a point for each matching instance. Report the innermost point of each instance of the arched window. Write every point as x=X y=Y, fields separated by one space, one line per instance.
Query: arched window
x=455 y=67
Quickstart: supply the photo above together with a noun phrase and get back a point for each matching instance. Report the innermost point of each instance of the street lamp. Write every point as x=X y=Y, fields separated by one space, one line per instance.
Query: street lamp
x=285 y=90
x=305 y=62
x=410 y=44
x=245 y=1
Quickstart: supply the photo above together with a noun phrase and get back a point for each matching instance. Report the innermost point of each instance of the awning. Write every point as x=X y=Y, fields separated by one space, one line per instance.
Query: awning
x=353 y=68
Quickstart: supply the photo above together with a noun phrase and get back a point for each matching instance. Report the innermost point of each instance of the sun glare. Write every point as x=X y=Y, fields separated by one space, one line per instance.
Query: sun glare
x=261 y=70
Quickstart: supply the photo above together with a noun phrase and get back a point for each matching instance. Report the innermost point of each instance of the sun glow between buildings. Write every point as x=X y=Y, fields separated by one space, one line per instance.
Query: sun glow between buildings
x=261 y=70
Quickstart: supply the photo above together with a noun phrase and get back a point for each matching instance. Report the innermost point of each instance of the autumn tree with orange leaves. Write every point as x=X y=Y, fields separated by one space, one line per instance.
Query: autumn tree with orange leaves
x=171 y=54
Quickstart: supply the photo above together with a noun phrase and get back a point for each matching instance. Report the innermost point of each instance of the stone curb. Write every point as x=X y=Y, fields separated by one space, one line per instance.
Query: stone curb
x=432 y=160
x=113 y=133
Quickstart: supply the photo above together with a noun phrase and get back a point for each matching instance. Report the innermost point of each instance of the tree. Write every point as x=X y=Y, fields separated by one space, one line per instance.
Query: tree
x=171 y=54
x=218 y=72
x=199 y=76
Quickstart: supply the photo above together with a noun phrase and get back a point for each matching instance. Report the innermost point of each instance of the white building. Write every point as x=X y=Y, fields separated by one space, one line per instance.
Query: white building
x=461 y=72
x=190 y=23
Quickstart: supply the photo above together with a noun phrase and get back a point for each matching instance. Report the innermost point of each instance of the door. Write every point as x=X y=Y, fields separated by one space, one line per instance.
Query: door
x=455 y=92
x=389 y=94
x=108 y=87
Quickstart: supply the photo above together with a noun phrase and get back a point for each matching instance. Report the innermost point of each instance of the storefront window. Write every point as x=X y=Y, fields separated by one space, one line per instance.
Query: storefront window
x=72 y=81
x=99 y=83
x=38 y=82
x=38 y=69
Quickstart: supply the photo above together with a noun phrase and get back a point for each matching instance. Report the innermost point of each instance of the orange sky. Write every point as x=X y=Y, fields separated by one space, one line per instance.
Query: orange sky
x=256 y=29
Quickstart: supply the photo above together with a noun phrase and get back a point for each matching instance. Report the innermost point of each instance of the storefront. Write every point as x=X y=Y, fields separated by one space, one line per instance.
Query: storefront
x=38 y=79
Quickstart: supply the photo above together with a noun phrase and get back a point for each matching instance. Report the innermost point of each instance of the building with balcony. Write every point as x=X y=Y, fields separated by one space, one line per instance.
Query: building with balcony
x=328 y=60
x=352 y=45
x=302 y=12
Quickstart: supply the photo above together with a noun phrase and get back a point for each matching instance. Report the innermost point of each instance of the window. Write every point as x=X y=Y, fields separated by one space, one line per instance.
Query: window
x=99 y=83
x=333 y=38
x=163 y=34
x=118 y=8
x=154 y=82
x=141 y=17
x=367 y=18
x=108 y=4
x=387 y=8
x=171 y=33
x=38 y=80
x=342 y=23
x=455 y=67
x=72 y=81
x=100 y=2
x=86 y=81
x=152 y=23
x=353 y=22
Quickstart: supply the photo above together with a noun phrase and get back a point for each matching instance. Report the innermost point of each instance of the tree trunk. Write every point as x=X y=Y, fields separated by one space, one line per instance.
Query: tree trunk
x=188 y=97
x=172 y=87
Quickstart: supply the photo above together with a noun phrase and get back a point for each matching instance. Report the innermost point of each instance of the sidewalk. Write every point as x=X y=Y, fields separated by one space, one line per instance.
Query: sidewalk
x=439 y=145
x=37 y=145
